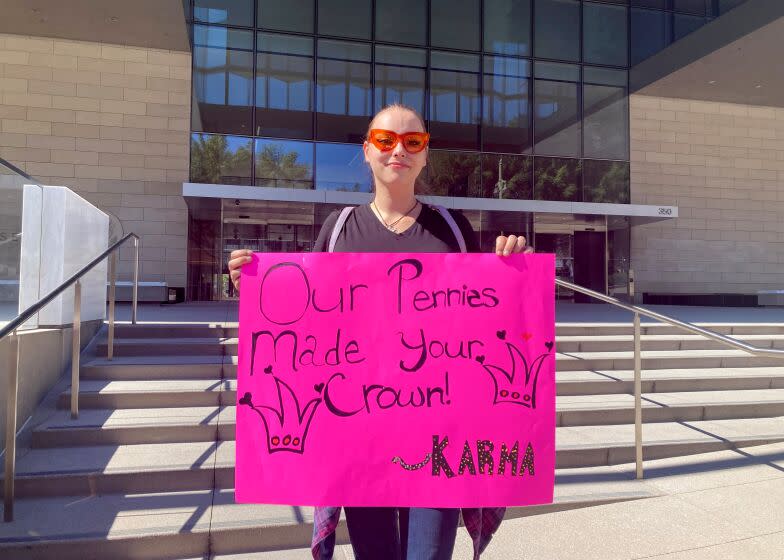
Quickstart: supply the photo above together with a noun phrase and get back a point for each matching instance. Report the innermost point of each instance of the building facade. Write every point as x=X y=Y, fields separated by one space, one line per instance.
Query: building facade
x=556 y=119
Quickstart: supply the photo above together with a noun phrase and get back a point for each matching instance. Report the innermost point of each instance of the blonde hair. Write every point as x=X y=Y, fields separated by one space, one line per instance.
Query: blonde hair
x=395 y=106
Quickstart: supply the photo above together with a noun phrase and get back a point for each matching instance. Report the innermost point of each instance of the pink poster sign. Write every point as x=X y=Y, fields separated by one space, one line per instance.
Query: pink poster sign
x=396 y=380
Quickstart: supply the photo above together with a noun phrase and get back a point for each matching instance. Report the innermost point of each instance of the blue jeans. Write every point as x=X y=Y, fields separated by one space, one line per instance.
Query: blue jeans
x=402 y=533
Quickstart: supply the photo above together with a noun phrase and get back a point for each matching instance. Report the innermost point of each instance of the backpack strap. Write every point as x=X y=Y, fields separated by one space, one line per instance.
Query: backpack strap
x=344 y=214
x=453 y=225
x=341 y=221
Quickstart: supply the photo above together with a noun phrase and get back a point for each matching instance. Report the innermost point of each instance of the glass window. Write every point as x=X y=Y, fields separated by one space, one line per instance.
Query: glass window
x=606 y=76
x=451 y=174
x=223 y=160
x=507 y=176
x=494 y=223
x=657 y=4
x=727 y=5
x=606 y=181
x=683 y=24
x=227 y=12
x=222 y=80
x=651 y=32
x=605 y=122
x=283 y=163
x=508 y=27
x=699 y=7
x=454 y=100
x=605 y=40
x=342 y=167
x=291 y=15
x=557 y=71
x=557 y=179
x=343 y=93
x=619 y=251
x=345 y=18
x=454 y=24
x=404 y=21
x=284 y=86
x=557 y=25
x=506 y=105
x=400 y=77
x=556 y=118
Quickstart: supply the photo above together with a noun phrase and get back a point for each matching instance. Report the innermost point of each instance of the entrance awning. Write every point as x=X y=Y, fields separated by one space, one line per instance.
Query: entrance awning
x=640 y=213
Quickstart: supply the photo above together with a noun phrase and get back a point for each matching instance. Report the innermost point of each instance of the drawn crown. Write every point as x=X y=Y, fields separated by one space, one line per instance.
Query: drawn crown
x=516 y=384
x=287 y=426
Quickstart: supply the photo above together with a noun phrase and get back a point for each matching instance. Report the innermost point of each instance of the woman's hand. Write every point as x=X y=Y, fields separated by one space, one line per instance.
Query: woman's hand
x=236 y=260
x=505 y=246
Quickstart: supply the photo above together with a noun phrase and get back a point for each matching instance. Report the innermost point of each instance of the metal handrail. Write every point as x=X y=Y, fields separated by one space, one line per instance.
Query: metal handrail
x=637 y=311
x=36 y=307
x=756 y=350
x=10 y=330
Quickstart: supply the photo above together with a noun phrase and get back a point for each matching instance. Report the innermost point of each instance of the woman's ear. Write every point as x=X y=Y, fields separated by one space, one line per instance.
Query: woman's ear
x=365 y=147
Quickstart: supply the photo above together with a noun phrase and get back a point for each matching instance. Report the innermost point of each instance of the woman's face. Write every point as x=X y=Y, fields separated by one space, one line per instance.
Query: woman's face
x=396 y=166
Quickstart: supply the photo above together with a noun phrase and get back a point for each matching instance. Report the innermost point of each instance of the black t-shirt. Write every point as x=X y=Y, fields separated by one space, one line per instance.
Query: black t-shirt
x=364 y=233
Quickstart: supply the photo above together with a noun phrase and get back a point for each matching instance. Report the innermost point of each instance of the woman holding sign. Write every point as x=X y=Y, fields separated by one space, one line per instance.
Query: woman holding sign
x=396 y=222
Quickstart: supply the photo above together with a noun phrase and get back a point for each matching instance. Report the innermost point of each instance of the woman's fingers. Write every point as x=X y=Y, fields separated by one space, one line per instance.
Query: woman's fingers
x=500 y=243
x=505 y=246
x=511 y=241
x=236 y=260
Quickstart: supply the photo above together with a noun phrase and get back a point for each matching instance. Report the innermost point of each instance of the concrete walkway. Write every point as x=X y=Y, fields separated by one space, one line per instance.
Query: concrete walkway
x=717 y=506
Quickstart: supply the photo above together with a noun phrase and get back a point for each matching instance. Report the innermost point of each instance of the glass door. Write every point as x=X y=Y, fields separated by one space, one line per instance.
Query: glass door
x=263 y=226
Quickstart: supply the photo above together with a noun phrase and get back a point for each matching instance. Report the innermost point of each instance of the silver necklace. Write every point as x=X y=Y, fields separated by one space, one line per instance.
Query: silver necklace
x=391 y=226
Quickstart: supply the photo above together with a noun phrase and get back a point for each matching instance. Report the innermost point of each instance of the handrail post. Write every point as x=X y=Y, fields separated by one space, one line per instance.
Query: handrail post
x=112 y=284
x=637 y=384
x=75 y=349
x=10 y=426
x=135 y=279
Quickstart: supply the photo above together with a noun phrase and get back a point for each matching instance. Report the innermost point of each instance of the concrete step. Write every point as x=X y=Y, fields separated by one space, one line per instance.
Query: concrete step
x=217 y=346
x=171 y=346
x=152 y=393
x=596 y=382
x=587 y=410
x=231 y=330
x=175 y=330
x=105 y=393
x=651 y=328
x=211 y=367
x=194 y=524
x=658 y=342
x=143 y=425
x=651 y=360
x=135 y=426
x=158 y=367
x=160 y=467
x=663 y=359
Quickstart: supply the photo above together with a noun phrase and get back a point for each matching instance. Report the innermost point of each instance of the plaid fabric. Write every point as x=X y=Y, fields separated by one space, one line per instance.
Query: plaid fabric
x=480 y=524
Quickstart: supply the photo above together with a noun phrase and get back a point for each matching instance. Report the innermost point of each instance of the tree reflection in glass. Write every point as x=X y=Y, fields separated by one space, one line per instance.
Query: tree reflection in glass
x=221 y=159
x=451 y=174
x=506 y=176
x=557 y=179
x=606 y=181
x=284 y=164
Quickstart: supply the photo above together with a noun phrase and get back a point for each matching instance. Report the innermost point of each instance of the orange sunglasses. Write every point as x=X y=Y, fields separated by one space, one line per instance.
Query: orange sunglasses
x=386 y=140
